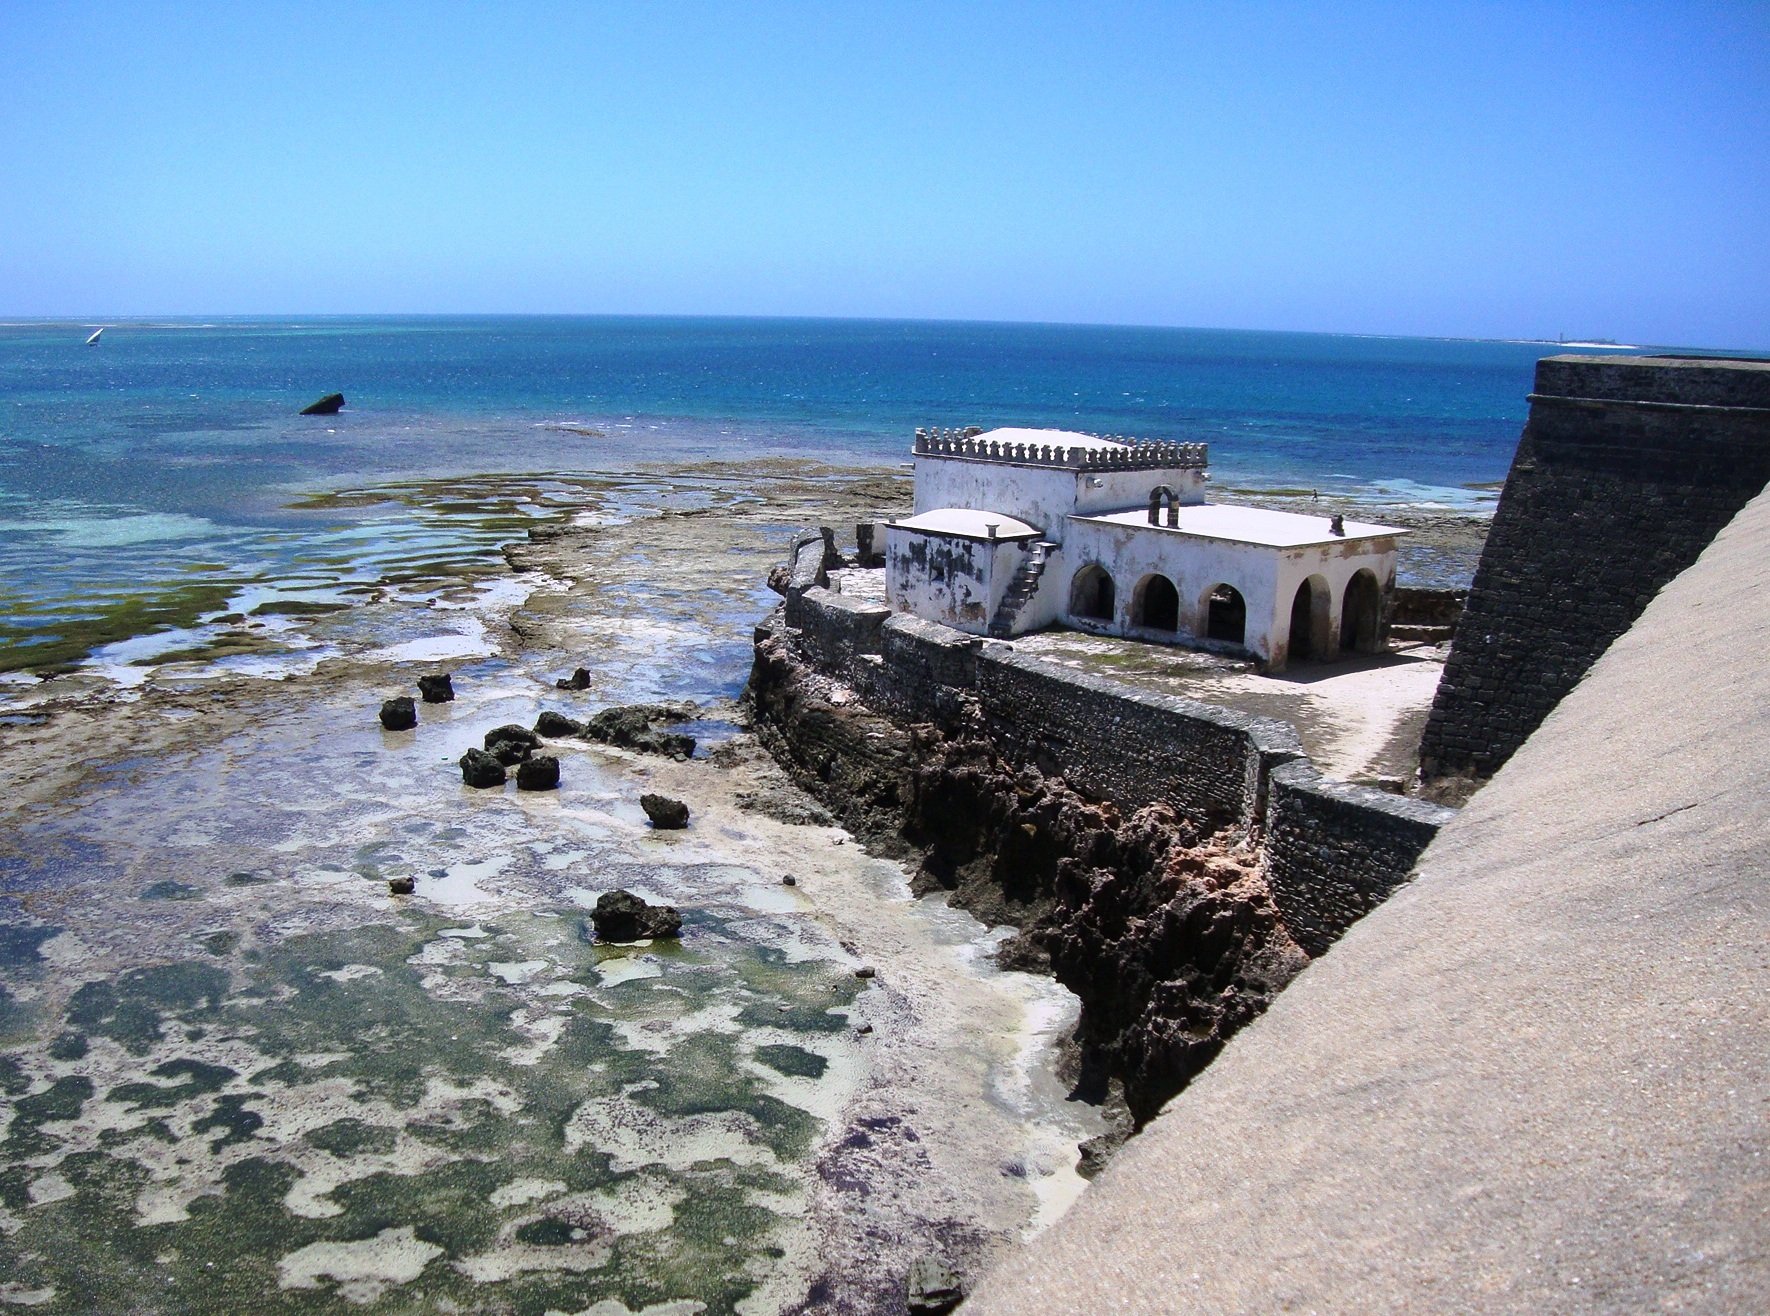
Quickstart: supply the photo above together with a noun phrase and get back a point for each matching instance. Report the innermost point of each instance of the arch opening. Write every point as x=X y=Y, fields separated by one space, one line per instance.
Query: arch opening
x=1226 y=615
x=1360 y=612
x=1091 y=594
x=1156 y=604
x=1309 y=621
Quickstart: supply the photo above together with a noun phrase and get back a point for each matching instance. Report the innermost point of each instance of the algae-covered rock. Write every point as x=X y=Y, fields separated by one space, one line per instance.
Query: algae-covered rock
x=540 y=773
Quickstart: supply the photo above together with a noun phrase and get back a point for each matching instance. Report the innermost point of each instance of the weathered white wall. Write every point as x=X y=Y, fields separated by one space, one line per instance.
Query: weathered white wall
x=950 y=579
x=1114 y=491
x=1267 y=579
x=1043 y=496
x=1336 y=564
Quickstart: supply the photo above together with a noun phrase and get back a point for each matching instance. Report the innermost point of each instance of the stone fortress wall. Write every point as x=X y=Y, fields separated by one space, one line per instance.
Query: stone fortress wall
x=1627 y=469
x=1333 y=851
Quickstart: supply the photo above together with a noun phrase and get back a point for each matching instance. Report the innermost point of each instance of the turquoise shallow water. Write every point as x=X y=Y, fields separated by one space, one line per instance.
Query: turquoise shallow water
x=160 y=474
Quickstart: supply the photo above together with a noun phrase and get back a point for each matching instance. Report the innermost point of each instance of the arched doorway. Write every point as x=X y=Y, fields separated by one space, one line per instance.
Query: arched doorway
x=1359 y=613
x=1156 y=604
x=1309 y=621
x=1226 y=614
x=1091 y=594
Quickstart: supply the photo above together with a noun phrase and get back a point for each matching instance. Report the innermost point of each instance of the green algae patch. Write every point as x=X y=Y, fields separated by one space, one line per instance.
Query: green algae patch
x=133 y=1009
x=498 y=1125
x=170 y=890
x=793 y=1061
x=49 y=646
x=297 y=608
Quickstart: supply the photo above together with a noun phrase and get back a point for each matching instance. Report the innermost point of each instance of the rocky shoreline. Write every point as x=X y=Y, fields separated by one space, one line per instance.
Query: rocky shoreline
x=1163 y=929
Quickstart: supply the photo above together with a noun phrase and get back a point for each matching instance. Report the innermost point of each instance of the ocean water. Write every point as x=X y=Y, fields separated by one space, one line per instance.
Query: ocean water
x=163 y=476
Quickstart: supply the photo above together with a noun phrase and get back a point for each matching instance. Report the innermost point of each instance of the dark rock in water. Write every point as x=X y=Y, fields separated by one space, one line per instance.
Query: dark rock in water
x=509 y=752
x=541 y=773
x=630 y=726
x=934 y=1290
x=330 y=405
x=578 y=680
x=665 y=813
x=623 y=916
x=510 y=731
x=866 y=971
x=436 y=688
x=401 y=886
x=399 y=714
x=789 y=880
x=479 y=768
x=554 y=725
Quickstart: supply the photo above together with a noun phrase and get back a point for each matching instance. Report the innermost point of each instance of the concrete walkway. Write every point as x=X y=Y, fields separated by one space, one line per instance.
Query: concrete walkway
x=1536 y=1079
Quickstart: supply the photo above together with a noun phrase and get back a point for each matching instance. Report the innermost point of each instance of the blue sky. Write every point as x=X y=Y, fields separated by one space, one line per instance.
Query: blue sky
x=1499 y=170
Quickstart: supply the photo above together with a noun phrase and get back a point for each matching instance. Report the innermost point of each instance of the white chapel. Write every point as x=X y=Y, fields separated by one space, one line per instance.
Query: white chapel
x=1019 y=529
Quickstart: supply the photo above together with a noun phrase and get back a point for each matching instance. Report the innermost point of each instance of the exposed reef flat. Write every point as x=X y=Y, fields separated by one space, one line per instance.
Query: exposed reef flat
x=239 y=1074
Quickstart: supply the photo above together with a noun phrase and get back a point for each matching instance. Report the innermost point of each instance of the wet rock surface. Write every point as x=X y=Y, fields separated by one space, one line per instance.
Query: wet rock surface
x=634 y=726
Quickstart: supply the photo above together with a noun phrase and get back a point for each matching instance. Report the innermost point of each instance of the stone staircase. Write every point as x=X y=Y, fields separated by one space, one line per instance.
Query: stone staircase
x=1021 y=589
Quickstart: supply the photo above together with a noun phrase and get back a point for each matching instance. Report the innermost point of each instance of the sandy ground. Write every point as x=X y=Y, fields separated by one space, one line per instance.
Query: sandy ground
x=1360 y=717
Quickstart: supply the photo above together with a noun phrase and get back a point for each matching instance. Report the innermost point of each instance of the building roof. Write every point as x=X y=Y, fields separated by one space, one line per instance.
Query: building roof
x=1249 y=525
x=968 y=524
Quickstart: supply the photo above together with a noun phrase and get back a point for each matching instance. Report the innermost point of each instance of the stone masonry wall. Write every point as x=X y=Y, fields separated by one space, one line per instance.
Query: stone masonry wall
x=1627 y=468
x=1332 y=850
x=1131 y=746
x=1335 y=852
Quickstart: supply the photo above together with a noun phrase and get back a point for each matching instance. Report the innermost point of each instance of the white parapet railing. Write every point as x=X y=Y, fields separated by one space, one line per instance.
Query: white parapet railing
x=1125 y=454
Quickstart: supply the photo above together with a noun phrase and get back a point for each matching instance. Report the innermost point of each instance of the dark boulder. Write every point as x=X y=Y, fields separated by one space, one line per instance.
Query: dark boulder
x=399 y=714
x=401 y=886
x=554 y=725
x=623 y=916
x=510 y=731
x=665 y=813
x=540 y=773
x=436 y=688
x=511 y=744
x=479 y=768
x=330 y=405
x=510 y=752
x=578 y=680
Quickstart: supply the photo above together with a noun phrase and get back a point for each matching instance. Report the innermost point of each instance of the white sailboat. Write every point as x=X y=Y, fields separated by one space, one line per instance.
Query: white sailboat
x=95 y=333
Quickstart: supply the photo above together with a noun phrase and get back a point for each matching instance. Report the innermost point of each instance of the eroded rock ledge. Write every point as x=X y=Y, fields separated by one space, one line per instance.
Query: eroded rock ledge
x=1172 y=864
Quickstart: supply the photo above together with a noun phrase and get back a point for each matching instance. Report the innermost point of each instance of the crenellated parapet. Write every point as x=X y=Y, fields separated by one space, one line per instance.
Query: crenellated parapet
x=1126 y=454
